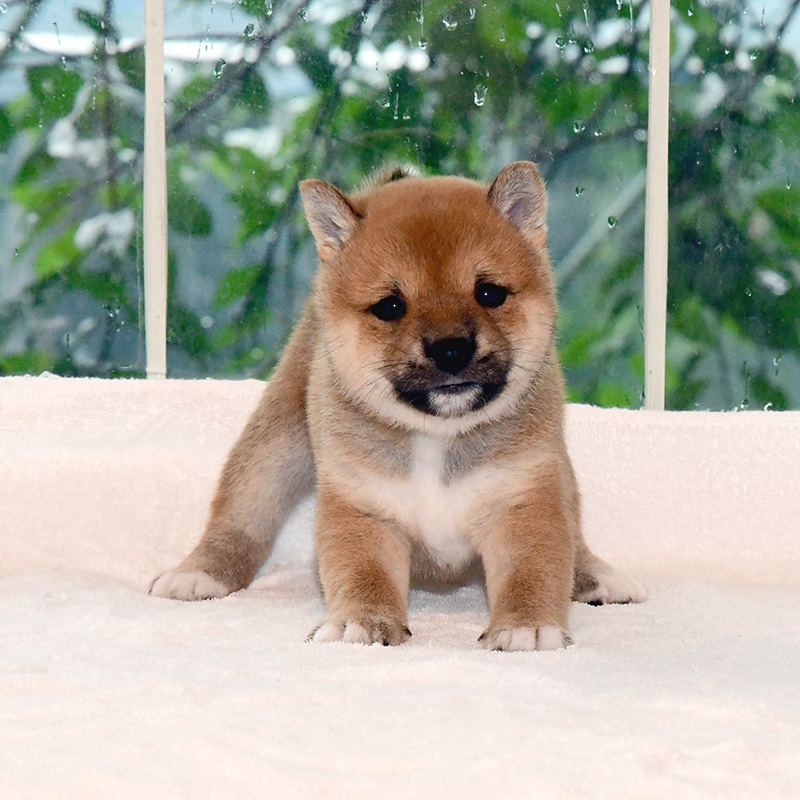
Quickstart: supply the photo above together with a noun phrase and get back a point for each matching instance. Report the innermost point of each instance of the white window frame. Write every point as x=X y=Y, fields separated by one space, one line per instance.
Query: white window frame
x=656 y=202
x=155 y=194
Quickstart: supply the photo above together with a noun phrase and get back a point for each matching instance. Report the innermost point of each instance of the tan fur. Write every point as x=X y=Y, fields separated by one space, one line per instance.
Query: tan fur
x=422 y=465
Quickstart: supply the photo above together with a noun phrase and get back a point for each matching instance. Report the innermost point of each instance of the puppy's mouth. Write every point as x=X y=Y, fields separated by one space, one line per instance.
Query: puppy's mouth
x=448 y=396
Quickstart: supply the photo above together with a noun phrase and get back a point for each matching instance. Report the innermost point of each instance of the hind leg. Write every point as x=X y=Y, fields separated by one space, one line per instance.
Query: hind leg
x=598 y=583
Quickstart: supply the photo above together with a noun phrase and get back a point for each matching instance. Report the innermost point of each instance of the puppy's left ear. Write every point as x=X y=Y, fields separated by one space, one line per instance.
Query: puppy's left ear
x=330 y=216
x=518 y=194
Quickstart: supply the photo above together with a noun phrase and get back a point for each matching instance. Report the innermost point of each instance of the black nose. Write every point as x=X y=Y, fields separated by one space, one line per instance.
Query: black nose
x=451 y=355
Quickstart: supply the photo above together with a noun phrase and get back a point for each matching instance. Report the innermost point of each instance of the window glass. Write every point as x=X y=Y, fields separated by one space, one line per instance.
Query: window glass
x=71 y=80
x=263 y=95
x=734 y=268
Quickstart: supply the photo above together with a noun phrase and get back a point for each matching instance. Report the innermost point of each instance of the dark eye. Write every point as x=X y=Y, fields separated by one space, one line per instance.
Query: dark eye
x=389 y=309
x=490 y=295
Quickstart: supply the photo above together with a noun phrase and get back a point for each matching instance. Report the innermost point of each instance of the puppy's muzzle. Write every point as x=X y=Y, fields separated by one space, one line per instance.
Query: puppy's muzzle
x=451 y=381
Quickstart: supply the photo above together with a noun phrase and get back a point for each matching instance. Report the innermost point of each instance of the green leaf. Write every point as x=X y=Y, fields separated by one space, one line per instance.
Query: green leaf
x=96 y=23
x=258 y=8
x=783 y=206
x=316 y=64
x=185 y=330
x=235 y=285
x=31 y=362
x=34 y=197
x=193 y=91
x=54 y=89
x=187 y=213
x=57 y=254
x=37 y=165
x=7 y=130
x=131 y=65
x=107 y=288
x=253 y=92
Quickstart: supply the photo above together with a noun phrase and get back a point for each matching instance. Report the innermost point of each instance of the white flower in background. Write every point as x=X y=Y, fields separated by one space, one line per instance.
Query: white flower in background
x=63 y=142
x=62 y=139
x=110 y=232
x=264 y=142
x=774 y=282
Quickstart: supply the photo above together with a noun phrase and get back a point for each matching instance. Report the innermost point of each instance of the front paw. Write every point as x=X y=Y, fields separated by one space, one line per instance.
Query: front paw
x=534 y=637
x=194 y=585
x=607 y=585
x=364 y=629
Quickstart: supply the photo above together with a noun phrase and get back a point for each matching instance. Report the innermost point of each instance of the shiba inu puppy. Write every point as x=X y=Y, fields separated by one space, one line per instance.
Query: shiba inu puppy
x=421 y=394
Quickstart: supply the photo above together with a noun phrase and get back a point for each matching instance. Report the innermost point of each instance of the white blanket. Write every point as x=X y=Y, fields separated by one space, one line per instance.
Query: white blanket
x=107 y=692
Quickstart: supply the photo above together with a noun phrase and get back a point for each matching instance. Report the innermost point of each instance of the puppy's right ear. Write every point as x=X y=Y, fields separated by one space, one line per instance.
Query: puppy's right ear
x=330 y=216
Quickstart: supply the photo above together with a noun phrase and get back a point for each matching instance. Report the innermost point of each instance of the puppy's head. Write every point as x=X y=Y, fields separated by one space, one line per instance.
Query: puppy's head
x=435 y=295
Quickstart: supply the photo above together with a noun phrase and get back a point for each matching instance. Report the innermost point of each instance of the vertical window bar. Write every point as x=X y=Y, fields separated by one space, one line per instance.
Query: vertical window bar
x=656 y=210
x=155 y=195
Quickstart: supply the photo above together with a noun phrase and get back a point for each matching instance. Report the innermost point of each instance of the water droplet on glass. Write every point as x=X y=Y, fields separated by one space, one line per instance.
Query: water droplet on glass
x=386 y=103
x=690 y=12
x=776 y=361
x=561 y=42
x=479 y=95
x=249 y=29
x=268 y=7
x=303 y=14
x=588 y=47
x=423 y=43
x=748 y=291
x=788 y=183
x=502 y=36
x=579 y=190
x=219 y=66
x=579 y=126
x=3 y=8
x=55 y=28
x=449 y=23
x=598 y=132
x=768 y=407
x=472 y=13
x=612 y=221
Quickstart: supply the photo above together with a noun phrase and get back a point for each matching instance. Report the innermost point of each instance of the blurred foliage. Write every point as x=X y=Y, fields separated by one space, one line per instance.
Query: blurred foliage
x=276 y=92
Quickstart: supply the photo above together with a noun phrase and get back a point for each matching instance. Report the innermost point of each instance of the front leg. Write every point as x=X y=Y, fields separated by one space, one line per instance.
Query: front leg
x=528 y=559
x=364 y=567
x=269 y=469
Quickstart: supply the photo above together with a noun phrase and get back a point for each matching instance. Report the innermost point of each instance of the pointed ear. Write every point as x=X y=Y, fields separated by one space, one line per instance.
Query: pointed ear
x=518 y=194
x=330 y=216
